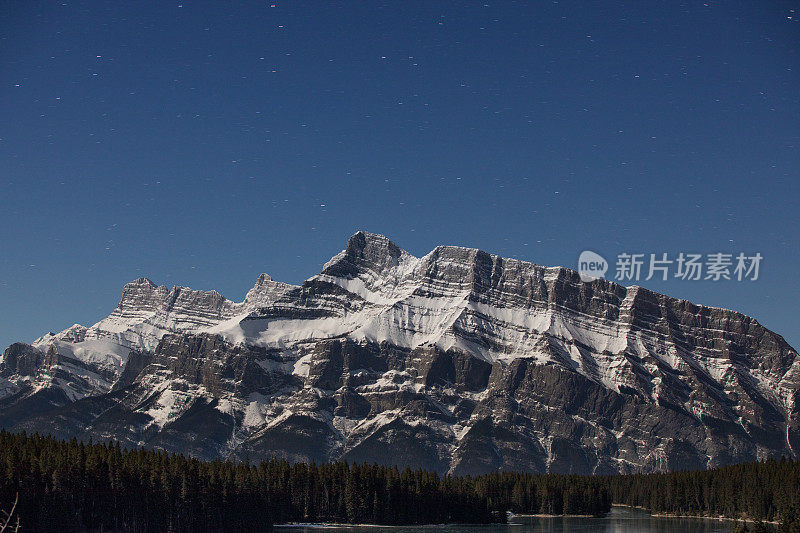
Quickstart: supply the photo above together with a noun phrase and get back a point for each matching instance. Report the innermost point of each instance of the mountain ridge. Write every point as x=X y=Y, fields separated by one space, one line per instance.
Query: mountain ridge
x=455 y=349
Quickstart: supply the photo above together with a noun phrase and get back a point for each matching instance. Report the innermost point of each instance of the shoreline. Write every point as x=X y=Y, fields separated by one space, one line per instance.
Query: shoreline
x=542 y=515
x=721 y=518
x=325 y=525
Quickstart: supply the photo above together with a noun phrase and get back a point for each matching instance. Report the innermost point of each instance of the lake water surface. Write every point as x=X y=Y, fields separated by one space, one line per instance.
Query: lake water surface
x=620 y=520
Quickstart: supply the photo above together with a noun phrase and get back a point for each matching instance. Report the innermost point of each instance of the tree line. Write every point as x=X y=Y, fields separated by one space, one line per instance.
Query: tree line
x=767 y=491
x=76 y=486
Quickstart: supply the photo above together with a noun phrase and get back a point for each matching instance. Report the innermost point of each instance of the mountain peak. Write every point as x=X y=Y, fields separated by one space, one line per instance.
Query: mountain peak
x=366 y=251
x=264 y=292
x=363 y=244
x=142 y=282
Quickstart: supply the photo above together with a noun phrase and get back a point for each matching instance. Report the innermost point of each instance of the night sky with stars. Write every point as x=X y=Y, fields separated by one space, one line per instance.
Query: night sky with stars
x=202 y=143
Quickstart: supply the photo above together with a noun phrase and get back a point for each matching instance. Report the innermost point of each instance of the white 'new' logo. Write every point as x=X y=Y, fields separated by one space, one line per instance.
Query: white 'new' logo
x=591 y=266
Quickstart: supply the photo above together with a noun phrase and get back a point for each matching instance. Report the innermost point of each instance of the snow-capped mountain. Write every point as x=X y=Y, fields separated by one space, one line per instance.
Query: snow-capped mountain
x=457 y=361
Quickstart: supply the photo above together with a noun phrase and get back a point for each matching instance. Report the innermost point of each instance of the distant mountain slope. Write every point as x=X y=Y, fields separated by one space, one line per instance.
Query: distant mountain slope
x=457 y=361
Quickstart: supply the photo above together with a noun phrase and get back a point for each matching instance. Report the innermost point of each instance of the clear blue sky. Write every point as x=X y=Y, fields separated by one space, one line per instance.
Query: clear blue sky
x=202 y=143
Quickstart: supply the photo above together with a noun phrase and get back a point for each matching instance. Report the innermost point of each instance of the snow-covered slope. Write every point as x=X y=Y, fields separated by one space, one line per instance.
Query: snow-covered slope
x=146 y=312
x=490 y=362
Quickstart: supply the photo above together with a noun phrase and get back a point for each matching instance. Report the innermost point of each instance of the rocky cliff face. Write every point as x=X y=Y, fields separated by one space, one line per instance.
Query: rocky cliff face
x=458 y=361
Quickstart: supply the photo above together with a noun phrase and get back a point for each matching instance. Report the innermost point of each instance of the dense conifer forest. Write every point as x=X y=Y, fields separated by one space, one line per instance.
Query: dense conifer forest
x=74 y=486
x=766 y=491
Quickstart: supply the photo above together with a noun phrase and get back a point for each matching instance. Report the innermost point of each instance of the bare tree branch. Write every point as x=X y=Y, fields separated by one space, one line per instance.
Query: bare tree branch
x=8 y=515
